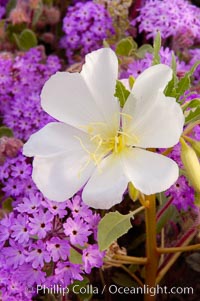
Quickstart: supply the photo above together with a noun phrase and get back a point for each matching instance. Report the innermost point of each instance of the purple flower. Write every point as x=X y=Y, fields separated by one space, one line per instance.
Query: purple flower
x=77 y=230
x=21 y=170
x=92 y=257
x=14 y=187
x=182 y=194
x=66 y=272
x=56 y=208
x=5 y=227
x=58 y=248
x=30 y=204
x=41 y=223
x=30 y=275
x=93 y=221
x=38 y=255
x=79 y=208
x=14 y=254
x=20 y=229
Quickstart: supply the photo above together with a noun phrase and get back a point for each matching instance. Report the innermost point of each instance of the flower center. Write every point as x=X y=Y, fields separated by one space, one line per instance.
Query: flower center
x=104 y=143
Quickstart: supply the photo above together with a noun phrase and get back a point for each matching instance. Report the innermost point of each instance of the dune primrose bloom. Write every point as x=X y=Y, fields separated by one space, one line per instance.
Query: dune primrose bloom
x=96 y=144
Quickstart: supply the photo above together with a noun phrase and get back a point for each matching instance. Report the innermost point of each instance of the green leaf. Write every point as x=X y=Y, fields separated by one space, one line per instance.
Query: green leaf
x=184 y=83
x=193 y=115
x=141 y=52
x=7 y=204
x=4 y=131
x=156 y=49
x=170 y=89
x=75 y=257
x=26 y=40
x=126 y=47
x=112 y=226
x=121 y=93
x=174 y=68
x=177 y=88
x=192 y=104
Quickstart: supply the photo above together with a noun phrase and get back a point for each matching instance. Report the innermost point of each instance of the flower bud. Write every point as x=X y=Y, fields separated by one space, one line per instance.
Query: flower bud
x=34 y=4
x=52 y=15
x=9 y=147
x=191 y=164
x=196 y=147
x=197 y=199
x=133 y=192
x=18 y=15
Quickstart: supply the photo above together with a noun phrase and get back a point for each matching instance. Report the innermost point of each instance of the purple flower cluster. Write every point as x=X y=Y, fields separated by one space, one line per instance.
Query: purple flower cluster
x=170 y=18
x=21 y=81
x=39 y=235
x=139 y=65
x=86 y=25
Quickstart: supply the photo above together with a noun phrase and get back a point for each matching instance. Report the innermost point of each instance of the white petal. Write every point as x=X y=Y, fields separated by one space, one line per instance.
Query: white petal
x=161 y=126
x=59 y=177
x=55 y=138
x=100 y=72
x=150 y=81
x=66 y=97
x=107 y=185
x=145 y=91
x=149 y=172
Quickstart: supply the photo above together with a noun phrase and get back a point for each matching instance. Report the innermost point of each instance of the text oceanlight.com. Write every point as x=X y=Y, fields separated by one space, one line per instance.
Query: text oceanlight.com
x=114 y=289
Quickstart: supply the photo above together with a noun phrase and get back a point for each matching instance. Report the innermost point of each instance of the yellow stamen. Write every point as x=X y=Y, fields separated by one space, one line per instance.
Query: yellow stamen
x=104 y=143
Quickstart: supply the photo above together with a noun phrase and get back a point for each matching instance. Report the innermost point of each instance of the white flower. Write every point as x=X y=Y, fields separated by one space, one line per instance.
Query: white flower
x=95 y=143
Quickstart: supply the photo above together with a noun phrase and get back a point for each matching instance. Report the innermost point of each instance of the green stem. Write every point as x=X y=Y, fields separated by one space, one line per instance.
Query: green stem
x=190 y=127
x=178 y=249
x=151 y=245
x=131 y=259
